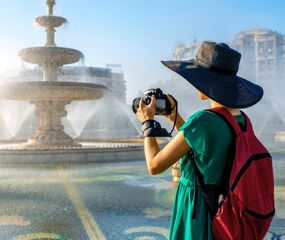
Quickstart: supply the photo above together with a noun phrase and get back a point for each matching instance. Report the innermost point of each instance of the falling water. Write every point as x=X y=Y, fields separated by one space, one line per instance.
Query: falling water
x=276 y=99
x=269 y=112
x=14 y=114
x=79 y=113
x=132 y=117
x=107 y=116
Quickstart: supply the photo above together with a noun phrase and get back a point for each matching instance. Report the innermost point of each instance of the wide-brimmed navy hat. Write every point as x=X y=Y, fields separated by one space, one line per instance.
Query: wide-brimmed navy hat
x=213 y=72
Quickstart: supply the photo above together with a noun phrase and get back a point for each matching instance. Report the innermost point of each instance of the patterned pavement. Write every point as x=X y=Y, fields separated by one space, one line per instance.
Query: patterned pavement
x=96 y=201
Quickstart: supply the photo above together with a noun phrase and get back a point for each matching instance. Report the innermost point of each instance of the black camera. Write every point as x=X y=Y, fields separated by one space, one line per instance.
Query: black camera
x=162 y=104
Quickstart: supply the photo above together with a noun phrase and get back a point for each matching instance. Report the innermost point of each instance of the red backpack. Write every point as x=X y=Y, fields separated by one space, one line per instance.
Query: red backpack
x=247 y=207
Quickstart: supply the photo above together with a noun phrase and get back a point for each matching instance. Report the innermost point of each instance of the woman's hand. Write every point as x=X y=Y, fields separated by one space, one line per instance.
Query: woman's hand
x=146 y=112
x=171 y=116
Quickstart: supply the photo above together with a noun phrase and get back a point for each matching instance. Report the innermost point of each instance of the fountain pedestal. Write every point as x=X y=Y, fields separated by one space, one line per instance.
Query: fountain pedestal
x=50 y=131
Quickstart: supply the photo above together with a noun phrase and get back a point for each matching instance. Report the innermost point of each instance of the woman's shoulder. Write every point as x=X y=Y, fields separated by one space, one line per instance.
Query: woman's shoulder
x=205 y=127
x=204 y=117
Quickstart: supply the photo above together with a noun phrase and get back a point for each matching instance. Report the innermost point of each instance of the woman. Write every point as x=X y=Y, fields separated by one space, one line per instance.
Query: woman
x=205 y=134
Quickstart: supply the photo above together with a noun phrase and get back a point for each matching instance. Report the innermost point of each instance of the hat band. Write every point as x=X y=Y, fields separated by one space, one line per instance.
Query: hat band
x=223 y=71
x=216 y=69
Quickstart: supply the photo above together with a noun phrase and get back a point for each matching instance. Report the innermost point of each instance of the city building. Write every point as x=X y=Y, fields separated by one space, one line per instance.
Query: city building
x=118 y=84
x=184 y=52
x=263 y=54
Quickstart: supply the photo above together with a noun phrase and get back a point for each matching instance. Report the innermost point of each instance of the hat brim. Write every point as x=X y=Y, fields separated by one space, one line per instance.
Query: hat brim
x=229 y=90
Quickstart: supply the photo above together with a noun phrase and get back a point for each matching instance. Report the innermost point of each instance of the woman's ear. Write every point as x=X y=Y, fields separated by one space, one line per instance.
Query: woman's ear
x=202 y=96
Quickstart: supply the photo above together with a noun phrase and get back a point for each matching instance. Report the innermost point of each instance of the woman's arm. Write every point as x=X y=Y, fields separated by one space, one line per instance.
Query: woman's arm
x=159 y=160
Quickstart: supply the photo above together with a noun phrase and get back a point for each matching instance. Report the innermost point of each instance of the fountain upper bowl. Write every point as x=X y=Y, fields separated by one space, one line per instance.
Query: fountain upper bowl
x=54 y=55
x=50 y=21
x=51 y=91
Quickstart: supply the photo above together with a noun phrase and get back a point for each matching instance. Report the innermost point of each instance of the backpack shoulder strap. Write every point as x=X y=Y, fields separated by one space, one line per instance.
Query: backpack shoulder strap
x=235 y=131
x=210 y=192
x=228 y=117
x=248 y=124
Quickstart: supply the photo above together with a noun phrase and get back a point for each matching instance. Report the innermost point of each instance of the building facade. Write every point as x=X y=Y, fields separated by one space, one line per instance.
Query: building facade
x=184 y=52
x=118 y=84
x=263 y=54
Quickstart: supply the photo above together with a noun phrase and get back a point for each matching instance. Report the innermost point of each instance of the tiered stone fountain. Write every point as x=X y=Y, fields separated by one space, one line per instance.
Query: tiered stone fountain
x=50 y=143
x=50 y=96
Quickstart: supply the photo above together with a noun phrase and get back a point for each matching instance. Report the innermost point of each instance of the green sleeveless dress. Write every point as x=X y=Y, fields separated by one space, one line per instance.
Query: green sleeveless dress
x=209 y=136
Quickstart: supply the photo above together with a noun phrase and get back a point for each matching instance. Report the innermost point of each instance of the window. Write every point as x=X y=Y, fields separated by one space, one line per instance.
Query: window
x=271 y=64
x=270 y=46
x=261 y=49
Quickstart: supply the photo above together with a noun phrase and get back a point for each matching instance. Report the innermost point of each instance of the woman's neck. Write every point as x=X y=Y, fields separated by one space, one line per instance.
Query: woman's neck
x=232 y=110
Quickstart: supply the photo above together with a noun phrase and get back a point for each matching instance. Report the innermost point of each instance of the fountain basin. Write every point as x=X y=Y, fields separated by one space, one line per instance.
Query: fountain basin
x=50 y=21
x=88 y=150
x=85 y=152
x=57 y=56
x=50 y=99
x=49 y=91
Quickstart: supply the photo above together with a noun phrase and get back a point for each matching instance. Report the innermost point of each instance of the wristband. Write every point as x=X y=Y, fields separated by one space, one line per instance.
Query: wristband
x=152 y=128
x=156 y=132
x=150 y=124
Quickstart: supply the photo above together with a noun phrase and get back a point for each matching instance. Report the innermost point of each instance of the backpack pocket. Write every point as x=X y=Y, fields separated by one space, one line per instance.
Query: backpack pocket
x=256 y=222
x=227 y=223
x=234 y=221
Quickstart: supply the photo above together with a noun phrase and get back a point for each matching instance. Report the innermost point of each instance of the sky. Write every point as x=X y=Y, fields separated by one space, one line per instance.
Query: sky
x=137 y=34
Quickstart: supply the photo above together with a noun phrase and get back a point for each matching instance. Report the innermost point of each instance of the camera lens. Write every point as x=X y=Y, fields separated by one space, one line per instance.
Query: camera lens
x=147 y=100
x=135 y=105
x=160 y=106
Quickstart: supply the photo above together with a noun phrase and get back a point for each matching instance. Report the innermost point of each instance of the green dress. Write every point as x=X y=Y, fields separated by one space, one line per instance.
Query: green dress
x=209 y=136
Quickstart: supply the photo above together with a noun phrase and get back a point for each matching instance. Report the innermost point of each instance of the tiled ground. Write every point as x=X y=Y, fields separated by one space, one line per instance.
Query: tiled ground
x=107 y=201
